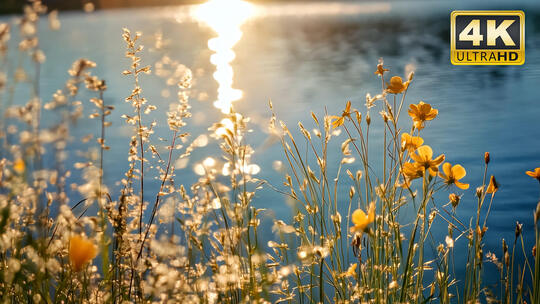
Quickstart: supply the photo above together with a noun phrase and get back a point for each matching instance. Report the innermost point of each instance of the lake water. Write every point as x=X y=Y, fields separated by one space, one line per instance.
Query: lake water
x=308 y=57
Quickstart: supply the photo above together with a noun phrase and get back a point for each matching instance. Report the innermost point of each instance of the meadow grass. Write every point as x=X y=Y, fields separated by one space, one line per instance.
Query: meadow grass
x=362 y=235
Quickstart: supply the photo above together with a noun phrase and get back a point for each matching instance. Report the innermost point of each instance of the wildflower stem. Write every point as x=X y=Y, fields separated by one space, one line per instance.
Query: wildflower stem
x=158 y=196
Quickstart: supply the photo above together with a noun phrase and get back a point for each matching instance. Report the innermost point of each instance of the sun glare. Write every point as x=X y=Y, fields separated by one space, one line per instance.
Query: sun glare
x=225 y=17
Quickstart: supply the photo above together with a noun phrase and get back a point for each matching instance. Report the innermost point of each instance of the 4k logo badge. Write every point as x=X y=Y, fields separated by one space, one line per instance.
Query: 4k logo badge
x=487 y=37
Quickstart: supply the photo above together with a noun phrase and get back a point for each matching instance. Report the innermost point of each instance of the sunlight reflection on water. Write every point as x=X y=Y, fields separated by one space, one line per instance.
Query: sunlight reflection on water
x=225 y=18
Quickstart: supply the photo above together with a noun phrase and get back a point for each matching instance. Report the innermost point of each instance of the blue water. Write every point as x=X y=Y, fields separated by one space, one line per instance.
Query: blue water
x=311 y=62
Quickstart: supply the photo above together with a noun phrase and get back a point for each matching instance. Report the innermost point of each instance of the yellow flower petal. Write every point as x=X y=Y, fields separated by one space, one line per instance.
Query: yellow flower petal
x=351 y=272
x=458 y=172
x=417 y=158
x=424 y=107
x=412 y=171
x=432 y=114
x=338 y=122
x=437 y=161
x=461 y=185
x=534 y=174
x=447 y=169
x=425 y=152
x=411 y=143
x=81 y=251
x=417 y=141
x=359 y=217
x=19 y=166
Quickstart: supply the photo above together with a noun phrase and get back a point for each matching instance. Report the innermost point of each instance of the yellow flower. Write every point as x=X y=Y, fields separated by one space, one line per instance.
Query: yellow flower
x=351 y=272
x=361 y=220
x=339 y=120
x=421 y=113
x=411 y=143
x=19 y=166
x=380 y=70
x=396 y=85
x=493 y=185
x=452 y=175
x=81 y=251
x=535 y=173
x=412 y=171
x=424 y=159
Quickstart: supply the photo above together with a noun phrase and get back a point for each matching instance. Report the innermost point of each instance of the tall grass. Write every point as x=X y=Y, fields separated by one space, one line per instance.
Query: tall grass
x=361 y=231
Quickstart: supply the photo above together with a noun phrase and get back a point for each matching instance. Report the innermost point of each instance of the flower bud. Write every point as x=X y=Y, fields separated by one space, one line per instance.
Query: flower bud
x=358 y=117
x=519 y=228
x=359 y=175
x=486 y=158
x=493 y=185
x=384 y=116
x=479 y=191
x=454 y=199
x=368 y=119
x=479 y=256
x=411 y=76
x=481 y=231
